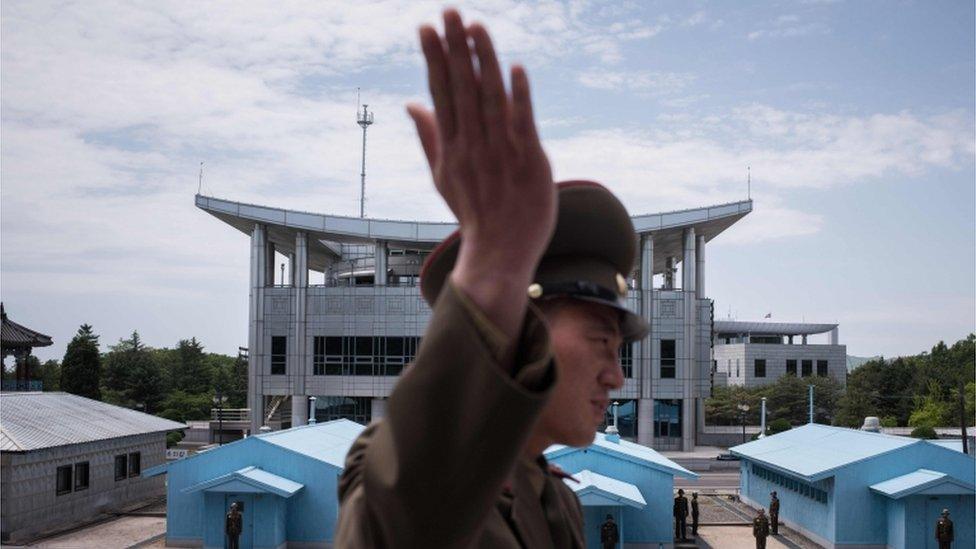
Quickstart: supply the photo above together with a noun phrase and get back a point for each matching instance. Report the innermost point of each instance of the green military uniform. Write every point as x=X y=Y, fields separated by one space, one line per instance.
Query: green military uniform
x=609 y=534
x=233 y=525
x=774 y=513
x=680 y=511
x=943 y=531
x=443 y=468
x=760 y=530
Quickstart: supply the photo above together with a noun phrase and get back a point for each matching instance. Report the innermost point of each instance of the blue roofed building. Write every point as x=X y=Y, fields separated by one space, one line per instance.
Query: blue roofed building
x=285 y=482
x=848 y=488
x=631 y=482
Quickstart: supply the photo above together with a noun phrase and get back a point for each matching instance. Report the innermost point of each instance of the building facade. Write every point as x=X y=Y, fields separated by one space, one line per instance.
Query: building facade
x=756 y=353
x=346 y=337
x=66 y=459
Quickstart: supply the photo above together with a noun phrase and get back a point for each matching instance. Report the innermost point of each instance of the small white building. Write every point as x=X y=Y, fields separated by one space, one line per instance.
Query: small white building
x=756 y=353
x=65 y=459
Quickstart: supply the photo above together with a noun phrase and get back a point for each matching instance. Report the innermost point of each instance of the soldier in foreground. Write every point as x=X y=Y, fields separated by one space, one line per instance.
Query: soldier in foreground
x=774 y=512
x=521 y=349
x=694 y=514
x=681 y=516
x=760 y=529
x=609 y=533
x=943 y=531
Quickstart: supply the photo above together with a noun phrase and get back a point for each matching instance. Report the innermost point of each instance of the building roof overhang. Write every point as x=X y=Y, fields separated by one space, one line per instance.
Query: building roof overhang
x=327 y=231
x=924 y=482
x=596 y=490
x=758 y=328
x=248 y=479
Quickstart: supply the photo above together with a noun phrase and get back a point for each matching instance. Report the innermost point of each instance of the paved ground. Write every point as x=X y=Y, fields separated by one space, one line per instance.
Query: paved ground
x=735 y=537
x=710 y=481
x=120 y=532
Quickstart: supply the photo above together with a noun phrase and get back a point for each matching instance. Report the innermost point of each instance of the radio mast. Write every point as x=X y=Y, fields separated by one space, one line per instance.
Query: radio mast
x=364 y=119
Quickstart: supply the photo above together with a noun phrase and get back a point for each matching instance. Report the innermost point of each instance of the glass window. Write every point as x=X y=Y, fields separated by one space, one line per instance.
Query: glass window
x=279 y=355
x=760 y=368
x=626 y=418
x=736 y=367
x=356 y=409
x=318 y=356
x=667 y=418
x=135 y=464
x=626 y=355
x=807 y=368
x=791 y=367
x=668 y=368
x=64 y=479
x=81 y=475
x=822 y=368
x=121 y=467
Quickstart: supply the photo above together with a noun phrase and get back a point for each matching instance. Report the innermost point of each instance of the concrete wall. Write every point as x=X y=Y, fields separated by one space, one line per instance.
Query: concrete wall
x=808 y=515
x=29 y=484
x=919 y=514
x=310 y=514
x=776 y=357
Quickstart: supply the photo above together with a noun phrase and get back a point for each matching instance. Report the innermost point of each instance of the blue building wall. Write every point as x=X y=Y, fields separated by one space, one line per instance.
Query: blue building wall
x=654 y=523
x=309 y=515
x=856 y=515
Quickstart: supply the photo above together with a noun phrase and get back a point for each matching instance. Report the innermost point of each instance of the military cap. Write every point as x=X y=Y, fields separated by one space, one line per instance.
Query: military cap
x=591 y=252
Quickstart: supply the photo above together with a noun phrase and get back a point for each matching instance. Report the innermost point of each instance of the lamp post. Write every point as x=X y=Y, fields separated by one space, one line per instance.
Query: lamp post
x=219 y=401
x=743 y=408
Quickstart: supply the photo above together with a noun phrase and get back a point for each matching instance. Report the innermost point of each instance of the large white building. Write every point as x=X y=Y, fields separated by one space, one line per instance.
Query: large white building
x=346 y=338
x=756 y=353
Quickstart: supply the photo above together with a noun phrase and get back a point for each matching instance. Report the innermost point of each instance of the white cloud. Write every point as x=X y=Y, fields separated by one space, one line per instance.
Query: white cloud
x=642 y=82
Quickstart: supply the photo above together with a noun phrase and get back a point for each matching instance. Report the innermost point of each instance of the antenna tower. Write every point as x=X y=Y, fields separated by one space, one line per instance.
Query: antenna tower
x=364 y=119
x=200 y=183
x=749 y=182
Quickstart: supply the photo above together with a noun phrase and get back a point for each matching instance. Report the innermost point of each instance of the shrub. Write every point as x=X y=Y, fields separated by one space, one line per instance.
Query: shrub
x=778 y=425
x=924 y=431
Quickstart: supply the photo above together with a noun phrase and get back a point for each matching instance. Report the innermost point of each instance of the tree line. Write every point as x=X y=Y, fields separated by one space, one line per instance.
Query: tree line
x=178 y=383
x=920 y=391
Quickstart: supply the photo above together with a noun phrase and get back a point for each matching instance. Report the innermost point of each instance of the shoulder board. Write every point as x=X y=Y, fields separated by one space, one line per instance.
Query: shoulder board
x=557 y=472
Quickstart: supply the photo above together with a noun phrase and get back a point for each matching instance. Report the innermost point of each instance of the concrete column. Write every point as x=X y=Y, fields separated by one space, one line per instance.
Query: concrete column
x=377 y=408
x=380 y=263
x=688 y=362
x=804 y=339
x=291 y=271
x=298 y=363
x=700 y=267
x=645 y=405
x=255 y=335
x=669 y=273
x=269 y=265
x=834 y=336
x=299 y=410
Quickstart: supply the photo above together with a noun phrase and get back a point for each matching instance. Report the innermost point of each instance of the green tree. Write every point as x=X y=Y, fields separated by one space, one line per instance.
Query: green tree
x=931 y=410
x=182 y=406
x=190 y=372
x=924 y=431
x=81 y=365
x=133 y=375
x=50 y=375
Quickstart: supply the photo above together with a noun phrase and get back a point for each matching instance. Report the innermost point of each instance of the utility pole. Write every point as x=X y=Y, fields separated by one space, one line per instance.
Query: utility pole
x=962 y=417
x=762 y=421
x=811 y=403
x=364 y=119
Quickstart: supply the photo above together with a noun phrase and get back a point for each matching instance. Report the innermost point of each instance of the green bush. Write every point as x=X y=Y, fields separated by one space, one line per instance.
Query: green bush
x=924 y=431
x=889 y=421
x=173 y=438
x=778 y=425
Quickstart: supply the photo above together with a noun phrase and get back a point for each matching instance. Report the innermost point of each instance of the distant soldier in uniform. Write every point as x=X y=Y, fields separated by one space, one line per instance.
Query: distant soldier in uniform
x=943 y=531
x=694 y=514
x=760 y=529
x=774 y=513
x=681 y=516
x=521 y=351
x=233 y=526
x=609 y=534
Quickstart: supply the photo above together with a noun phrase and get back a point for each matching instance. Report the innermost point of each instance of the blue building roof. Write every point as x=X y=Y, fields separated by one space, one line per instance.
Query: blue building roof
x=626 y=450
x=814 y=451
x=596 y=489
x=250 y=479
x=924 y=481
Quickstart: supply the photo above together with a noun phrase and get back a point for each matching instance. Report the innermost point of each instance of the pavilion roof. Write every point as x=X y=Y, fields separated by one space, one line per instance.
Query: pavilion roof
x=15 y=336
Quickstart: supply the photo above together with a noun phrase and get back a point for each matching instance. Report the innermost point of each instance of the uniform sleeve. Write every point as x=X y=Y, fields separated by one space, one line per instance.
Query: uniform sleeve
x=454 y=427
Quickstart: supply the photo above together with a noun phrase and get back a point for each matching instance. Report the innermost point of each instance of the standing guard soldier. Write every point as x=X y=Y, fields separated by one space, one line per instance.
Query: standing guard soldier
x=694 y=514
x=233 y=526
x=760 y=529
x=681 y=516
x=943 y=531
x=774 y=512
x=609 y=533
x=521 y=351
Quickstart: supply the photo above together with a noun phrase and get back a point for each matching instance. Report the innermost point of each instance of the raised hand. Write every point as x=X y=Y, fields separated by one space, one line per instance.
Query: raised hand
x=488 y=164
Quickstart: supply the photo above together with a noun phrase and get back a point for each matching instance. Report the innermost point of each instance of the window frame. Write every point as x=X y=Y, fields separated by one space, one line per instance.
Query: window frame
x=136 y=469
x=79 y=467
x=825 y=365
x=756 y=371
x=57 y=480
x=669 y=364
x=279 y=360
x=124 y=460
x=791 y=370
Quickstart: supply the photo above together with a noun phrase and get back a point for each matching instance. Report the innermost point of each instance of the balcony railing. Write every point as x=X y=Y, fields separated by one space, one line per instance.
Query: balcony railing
x=230 y=414
x=22 y=385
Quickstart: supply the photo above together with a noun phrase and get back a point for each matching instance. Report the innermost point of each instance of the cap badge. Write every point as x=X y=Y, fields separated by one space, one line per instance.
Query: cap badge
x=535 y=290
x=621 y=284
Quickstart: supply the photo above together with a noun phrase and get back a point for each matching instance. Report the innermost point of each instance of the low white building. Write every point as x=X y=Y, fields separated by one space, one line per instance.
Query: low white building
x=757 y=353
x=65 y=459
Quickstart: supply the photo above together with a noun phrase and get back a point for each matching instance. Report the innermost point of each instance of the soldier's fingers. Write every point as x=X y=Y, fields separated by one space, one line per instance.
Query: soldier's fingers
x=523 y=123
x=438 y=80
x=494 y=101
x=464 y=87
x=427 y=131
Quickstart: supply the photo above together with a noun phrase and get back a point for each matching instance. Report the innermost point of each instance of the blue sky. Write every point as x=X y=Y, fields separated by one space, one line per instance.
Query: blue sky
x=857 y=119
